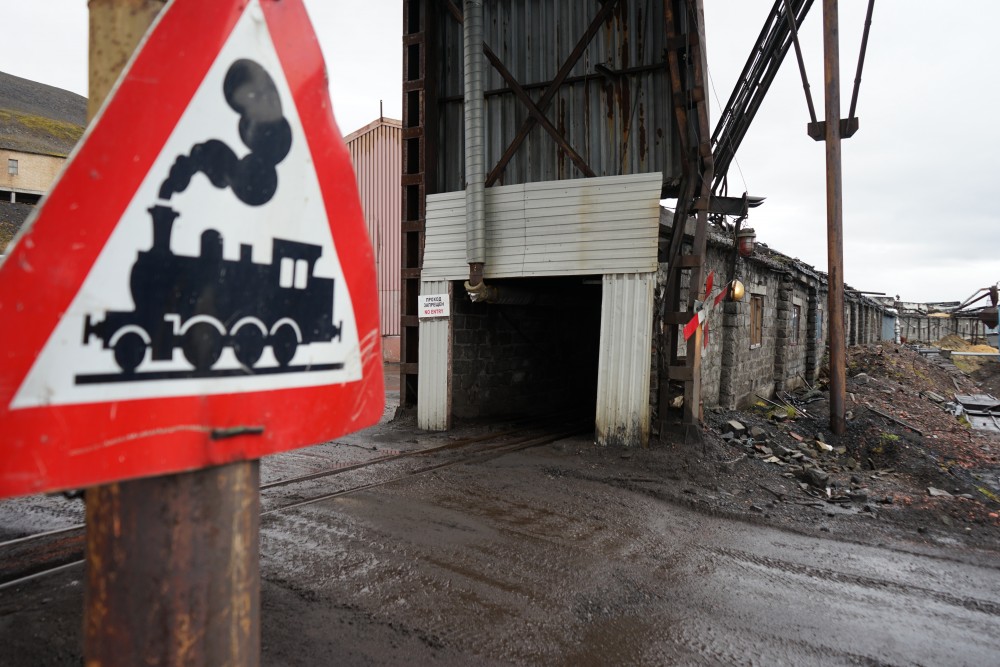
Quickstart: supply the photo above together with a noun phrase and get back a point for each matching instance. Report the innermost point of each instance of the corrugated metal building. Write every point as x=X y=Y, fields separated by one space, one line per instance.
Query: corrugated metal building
x=580 y=144
x=376 y=152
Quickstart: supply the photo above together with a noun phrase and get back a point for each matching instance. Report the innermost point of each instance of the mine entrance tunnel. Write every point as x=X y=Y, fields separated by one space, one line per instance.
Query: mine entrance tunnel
x=533 y=352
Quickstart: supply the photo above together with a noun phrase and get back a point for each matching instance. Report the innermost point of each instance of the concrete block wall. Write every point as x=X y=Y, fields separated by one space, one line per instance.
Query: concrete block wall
x=816 y=330
x=711 y=360
x=792 y=348
x=749 y=369
x=795 y=328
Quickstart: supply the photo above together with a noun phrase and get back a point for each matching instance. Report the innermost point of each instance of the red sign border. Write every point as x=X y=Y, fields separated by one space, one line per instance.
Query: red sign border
x=68 y=446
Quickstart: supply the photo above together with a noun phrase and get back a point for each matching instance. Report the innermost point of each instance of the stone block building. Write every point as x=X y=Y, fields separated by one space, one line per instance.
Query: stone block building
x=39 y=126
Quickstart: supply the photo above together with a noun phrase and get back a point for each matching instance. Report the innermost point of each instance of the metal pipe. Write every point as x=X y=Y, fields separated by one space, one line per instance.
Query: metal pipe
x=861 y=59
x=173 y=570
x=798 y=56
x=475 y=163
x=834 y=218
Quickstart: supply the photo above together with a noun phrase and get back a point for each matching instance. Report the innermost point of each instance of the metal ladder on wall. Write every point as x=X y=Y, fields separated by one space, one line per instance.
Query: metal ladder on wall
x=688 y=72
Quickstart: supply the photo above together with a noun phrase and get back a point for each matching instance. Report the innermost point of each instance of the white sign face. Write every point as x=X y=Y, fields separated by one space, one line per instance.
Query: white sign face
x=434 y=305
x=222 y=276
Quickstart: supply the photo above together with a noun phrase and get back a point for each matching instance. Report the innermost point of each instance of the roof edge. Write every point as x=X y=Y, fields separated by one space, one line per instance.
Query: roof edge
x=378 y=122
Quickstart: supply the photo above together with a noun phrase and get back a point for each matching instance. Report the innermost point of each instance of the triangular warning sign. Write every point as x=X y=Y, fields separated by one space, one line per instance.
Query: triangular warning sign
x=199 y=286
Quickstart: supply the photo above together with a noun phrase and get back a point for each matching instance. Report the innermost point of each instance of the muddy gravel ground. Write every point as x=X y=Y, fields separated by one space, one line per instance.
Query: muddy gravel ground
x=727 y=549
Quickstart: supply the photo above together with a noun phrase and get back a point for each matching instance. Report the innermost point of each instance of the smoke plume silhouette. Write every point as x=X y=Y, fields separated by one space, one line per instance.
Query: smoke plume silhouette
x=251 y=93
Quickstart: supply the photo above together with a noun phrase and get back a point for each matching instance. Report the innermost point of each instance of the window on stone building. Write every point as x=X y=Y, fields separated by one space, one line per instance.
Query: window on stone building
x=12 y=167
x=796 y=322
x=756 y=320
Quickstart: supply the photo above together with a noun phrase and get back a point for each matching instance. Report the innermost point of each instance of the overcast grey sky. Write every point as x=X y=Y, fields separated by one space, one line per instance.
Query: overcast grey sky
x=918 y=176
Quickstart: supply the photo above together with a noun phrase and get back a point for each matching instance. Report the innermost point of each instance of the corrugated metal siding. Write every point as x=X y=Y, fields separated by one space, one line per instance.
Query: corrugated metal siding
x=623 y=367
x=376 y=152
x=620 y=124
x=575 y=227
x=434 y=379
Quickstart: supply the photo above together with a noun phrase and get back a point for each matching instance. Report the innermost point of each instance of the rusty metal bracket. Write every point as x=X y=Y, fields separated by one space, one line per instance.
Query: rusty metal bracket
x=789 y=12
x=848 y=126
x=454 y=10
x=861 y=58
x=738 y=206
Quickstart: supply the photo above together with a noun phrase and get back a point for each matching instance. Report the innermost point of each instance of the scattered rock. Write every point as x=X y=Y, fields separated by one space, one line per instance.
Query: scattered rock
x=759 y=434
x=735 y=427
x=862 y=378
x=816 y=477
x=937 y=398
x=937 y=493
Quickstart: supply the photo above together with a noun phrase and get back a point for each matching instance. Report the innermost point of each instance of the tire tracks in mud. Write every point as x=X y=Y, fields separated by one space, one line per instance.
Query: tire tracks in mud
x=865 y=582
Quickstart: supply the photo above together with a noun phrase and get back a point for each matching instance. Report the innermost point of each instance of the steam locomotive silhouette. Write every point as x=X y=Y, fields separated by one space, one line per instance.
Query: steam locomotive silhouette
x=203 y=304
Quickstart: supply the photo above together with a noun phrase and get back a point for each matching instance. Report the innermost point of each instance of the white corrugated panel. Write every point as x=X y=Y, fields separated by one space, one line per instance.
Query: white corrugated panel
x=573 y=227
x=623 y=369
x=434 y=357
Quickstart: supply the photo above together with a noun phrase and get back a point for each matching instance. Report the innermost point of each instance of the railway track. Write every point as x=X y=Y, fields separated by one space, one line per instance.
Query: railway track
x=33 y=556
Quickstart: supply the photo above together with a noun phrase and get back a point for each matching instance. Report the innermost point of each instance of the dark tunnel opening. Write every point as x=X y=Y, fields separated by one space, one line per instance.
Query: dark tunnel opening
x=534 y=360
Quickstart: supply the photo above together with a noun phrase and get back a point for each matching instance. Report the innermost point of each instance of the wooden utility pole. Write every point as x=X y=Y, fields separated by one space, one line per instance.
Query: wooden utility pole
x=172 y=562
x=834 y=217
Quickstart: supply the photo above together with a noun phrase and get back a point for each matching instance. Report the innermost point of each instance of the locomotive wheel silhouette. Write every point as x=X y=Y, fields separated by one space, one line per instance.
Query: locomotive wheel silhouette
x=202 y=345
x=284 y=342
x=129 y=351
x=248 y=344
